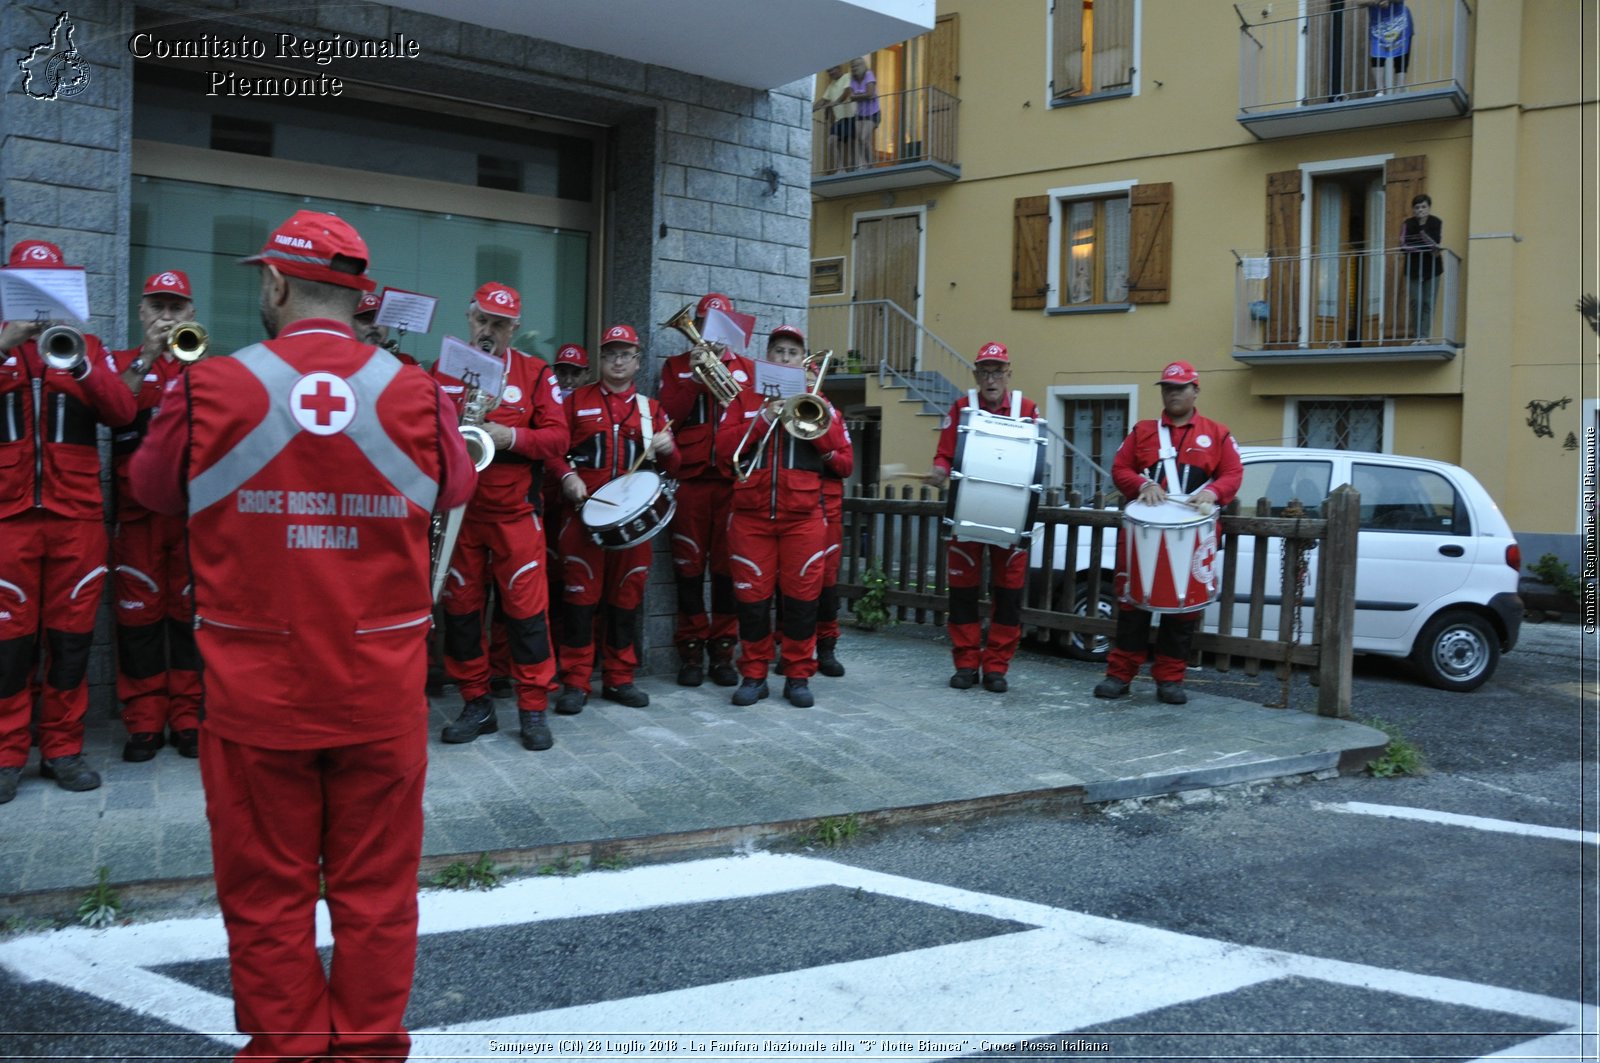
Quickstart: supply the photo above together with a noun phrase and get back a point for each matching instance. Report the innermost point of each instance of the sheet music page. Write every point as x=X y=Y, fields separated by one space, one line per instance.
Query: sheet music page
x=54 y=294
x=779 y=381
x=471 y=366
x=411 y=311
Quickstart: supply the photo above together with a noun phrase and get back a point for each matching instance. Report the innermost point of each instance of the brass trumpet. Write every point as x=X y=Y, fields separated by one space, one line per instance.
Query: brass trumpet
x=805 y=416
x=62 y=347
x=706 y=364
x=188 y=341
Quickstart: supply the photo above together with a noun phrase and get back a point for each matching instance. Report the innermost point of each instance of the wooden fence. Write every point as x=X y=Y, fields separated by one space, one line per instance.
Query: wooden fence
x=902 y=535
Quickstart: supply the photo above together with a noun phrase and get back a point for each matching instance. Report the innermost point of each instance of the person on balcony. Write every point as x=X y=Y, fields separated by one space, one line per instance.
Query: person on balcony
x=864 y=94
x=1420 y=237
x=1389 y=29
x=839 y=114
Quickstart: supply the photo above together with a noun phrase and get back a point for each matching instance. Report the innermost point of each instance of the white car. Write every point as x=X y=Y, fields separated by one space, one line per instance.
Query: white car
x=1436 y=572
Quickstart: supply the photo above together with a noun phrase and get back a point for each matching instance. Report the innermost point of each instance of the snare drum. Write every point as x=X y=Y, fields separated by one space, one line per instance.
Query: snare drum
x=1167 y=558
x=629 y=510
x=997 y=479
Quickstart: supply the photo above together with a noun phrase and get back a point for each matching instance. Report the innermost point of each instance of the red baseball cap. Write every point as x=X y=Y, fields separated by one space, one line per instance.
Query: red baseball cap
x=369 y=303
x=994 y=352
x=169 y=282
x=713 y=299
x=618 y=334
x=788 y=330
x=499 y=300
x=308 y=244
x=36 y=254
x=572 y=354
x=1179 y=373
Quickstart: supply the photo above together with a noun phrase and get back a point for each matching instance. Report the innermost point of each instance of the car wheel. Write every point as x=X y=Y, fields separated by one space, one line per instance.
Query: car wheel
x=1089 y=647
x=1457 y=651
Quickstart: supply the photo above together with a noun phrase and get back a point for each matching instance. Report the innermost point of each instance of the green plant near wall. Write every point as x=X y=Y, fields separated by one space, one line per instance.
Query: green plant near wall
x=871 y=609
x=102 y=905
x=1552 y=570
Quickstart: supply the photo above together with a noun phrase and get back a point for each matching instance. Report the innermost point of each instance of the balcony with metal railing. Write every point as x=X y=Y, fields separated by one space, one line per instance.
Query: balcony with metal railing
x=1355 y=306
x=1316 y=71
x=913 y=143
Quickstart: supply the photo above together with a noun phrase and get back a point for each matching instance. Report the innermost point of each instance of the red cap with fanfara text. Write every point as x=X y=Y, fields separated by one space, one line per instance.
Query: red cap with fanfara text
x=317 y=247
x=619 y=334
x=498 y=299
x=169 y=282
x=713 y=300
x=1179 y=373
x=36 y=254
x=993 y=352
x=572 y=354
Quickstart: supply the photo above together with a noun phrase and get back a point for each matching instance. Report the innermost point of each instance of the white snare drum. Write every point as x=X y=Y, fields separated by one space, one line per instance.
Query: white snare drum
x=1167 y=557
x=629 y=510
x=997 y=479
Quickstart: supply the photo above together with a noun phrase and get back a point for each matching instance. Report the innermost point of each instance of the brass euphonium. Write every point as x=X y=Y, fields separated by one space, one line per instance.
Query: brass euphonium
x=706 y=365
x=188 y=341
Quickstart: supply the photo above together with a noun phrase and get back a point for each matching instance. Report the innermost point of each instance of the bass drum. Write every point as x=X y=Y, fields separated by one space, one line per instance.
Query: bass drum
x=629 y=510
x=997 y=479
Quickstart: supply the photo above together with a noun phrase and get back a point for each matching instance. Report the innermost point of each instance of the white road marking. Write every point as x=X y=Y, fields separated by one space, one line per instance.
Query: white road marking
x=1011 y=984
x=1503 y=826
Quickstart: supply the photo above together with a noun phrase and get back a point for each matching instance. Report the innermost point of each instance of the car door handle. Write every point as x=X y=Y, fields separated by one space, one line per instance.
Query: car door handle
x=1452 y=550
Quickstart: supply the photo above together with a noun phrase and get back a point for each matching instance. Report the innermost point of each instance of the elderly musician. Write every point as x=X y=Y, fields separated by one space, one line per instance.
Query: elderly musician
x=308 y=465
x=778 y=531
x=699 y=530
x=615 y=429
x=502 y=539
x=52 y=525
x=158 y=665
x=972 y=649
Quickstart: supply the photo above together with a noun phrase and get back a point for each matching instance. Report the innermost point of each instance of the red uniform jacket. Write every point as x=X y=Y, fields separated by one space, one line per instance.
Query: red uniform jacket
x=1208 y=456
x=695 y=414
x=49 y=457
x=530 y=405
x=125 y=438
x=310 y=466
x=788 y=478
x=606 y=435
x=944 y=457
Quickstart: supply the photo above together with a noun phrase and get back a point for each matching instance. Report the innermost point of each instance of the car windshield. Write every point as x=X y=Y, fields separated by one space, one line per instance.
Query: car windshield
x=1279 y=481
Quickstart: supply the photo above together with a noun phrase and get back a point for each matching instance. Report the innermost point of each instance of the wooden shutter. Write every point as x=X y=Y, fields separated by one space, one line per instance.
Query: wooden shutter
x=1402 y=178
x=1030 y=237
x=1066 y=61
x=943 y=71
x=1150 y=243
x=1113 y=44
x=1284 y=201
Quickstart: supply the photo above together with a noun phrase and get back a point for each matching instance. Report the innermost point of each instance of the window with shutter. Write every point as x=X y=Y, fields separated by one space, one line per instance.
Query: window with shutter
x=1109 y=247
x=1091 y=49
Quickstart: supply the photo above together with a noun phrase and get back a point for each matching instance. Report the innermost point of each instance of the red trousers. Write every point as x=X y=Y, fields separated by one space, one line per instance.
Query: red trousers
x=828 y=597
x=699 y=544
x=512 y=554
x=1008 y=568
x=1174 y=638
x=158 y=666
x=786 y=555
x=52 y=570
x=596 y=578
x=279 y=818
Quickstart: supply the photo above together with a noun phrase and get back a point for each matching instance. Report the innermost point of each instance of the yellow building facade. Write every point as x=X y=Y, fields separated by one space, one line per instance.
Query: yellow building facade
x=1108 y=185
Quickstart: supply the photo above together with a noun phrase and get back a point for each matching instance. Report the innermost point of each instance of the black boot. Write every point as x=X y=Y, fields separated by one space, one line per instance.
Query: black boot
x=827 y=663
x=535 y=732
x=722 y=671
x=690 y=672
x=477 y=718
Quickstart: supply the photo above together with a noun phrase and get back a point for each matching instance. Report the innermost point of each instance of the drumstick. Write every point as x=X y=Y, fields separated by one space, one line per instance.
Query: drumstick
x=644 y=451
x=892 y=471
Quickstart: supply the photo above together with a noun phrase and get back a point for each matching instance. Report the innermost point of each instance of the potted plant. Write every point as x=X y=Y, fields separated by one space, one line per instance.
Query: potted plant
x=871 y=608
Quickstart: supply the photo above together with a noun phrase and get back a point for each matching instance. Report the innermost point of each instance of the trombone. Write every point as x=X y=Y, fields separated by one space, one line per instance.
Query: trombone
x=805 y=416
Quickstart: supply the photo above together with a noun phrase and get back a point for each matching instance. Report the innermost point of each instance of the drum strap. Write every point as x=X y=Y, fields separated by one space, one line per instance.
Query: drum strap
x=1168 y=455
x=646 y=428
x=1016 y=401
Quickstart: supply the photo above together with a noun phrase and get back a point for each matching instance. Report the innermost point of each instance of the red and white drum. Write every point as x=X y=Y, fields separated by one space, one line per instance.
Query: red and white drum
x=1167 y=558
x=629 y=510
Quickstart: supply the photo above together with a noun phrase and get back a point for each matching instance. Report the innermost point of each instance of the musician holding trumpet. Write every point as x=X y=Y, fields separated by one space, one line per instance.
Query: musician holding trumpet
x=158 y=664
x=778 y=451
x=615 y=431
x=55 y=390
x=1182 y=455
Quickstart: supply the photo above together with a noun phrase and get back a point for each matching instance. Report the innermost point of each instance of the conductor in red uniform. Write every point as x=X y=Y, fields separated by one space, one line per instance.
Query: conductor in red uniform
x=699 y=530
x=158 y=666
x=52 y=537
x=309 y=465
x=778 y=531
x=612 y=426
x=1205 y=457
x=1008 y=566
x=502 y=537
